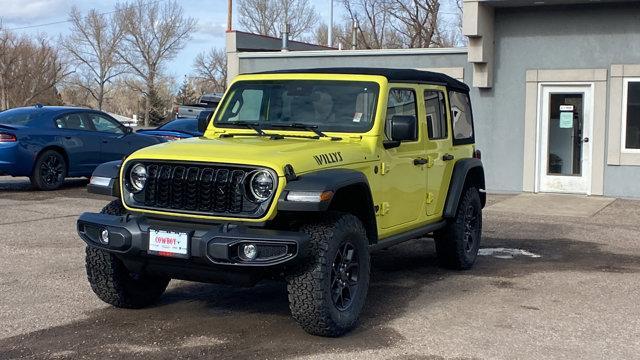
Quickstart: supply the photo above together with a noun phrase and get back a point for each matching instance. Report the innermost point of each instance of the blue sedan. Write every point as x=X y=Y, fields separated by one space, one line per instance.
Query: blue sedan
x=48 y=143
x=181 y=128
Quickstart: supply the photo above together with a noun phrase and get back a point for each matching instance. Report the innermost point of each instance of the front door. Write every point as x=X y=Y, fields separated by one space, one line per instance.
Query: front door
x=564 y=161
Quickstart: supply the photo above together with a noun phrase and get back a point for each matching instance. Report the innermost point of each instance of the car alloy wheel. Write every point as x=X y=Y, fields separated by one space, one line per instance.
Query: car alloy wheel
x=344 y=276
x=470 y=228
x=52 y=170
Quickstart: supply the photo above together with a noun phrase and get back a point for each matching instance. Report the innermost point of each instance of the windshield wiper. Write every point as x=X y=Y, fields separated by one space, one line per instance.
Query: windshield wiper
x=249 y=125
x=308 y=127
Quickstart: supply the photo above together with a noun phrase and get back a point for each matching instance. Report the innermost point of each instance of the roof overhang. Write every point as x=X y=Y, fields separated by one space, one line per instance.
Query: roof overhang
x=521 y=3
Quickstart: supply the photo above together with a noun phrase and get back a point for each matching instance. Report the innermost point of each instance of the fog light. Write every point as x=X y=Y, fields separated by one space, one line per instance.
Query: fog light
x=104 y=236
x=250 y=251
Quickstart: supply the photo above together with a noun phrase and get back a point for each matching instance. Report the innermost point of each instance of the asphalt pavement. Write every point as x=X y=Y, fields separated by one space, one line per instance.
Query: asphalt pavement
x=545 y=287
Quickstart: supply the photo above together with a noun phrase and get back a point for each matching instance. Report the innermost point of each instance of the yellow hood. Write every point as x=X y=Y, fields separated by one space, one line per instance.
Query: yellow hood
x=304 y=154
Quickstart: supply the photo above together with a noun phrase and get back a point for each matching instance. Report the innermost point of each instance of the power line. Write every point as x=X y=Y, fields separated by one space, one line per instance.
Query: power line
x=66 y=21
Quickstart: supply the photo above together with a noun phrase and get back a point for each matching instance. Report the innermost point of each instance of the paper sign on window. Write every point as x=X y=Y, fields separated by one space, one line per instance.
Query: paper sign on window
x=566 y=120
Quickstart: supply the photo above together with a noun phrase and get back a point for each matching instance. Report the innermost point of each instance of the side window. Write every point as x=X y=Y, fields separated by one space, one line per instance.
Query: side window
x=73 y=122
x=631 y=117
x=461 y=117
x=104 y=124
x=401 y=102
x=436 y=118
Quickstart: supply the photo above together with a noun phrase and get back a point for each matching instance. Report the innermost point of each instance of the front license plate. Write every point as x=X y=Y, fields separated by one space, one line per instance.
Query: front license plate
x=168 y=243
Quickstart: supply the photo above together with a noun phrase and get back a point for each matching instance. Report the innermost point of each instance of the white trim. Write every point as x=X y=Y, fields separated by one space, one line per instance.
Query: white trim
x=333 y=53
x=588 y=89
x=623 y=123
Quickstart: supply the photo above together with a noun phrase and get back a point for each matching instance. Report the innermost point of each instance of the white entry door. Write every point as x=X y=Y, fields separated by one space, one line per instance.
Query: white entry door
x=564 y=156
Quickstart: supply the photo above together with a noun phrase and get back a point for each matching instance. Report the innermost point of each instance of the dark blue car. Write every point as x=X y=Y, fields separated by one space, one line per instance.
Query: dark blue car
x=48 y=143
x=177 y=129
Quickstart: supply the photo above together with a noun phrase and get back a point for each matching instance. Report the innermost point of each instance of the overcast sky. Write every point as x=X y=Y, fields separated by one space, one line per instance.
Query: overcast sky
x=48 y=17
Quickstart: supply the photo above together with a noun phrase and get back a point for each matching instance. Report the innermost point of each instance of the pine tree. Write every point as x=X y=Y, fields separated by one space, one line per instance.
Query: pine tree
x=186 y=94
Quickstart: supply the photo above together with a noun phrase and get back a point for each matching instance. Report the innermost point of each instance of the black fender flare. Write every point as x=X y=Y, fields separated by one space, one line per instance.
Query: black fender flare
x=464 y=170
x=351 y=193
x=105 y=179
x=320 y=181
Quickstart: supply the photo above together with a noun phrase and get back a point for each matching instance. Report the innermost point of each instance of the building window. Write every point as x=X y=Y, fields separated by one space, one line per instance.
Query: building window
x=436 y=118
x=461 y=117
x=631 y=115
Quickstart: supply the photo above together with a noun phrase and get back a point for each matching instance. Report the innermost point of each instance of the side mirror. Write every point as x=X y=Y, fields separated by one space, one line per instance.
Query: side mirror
x=127 y=130
x=203 y=123
x=403 y=128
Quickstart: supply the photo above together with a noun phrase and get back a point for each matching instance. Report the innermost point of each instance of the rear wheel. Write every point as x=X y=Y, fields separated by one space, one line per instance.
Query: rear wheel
x=326 y=296
x=49 y=171
x=114 y=283
x=457 y=244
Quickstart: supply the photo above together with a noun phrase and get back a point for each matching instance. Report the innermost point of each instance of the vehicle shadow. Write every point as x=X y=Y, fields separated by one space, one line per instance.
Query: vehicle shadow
x=215 y=321
x=22 y=184
x=21 y=189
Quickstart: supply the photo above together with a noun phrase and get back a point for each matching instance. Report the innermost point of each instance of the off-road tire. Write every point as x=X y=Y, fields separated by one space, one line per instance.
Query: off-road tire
x=114 y=283
x=310 y=286
x=452 y=244
x=49 y=171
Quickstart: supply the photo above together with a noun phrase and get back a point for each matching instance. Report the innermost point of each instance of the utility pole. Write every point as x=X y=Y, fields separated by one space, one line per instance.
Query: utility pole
x=330 y=33
x=229 y=14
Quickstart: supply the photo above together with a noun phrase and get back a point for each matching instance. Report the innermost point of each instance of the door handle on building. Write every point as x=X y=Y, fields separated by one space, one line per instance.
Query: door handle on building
x=586 y=139
x=447 y=157
x=420 y=161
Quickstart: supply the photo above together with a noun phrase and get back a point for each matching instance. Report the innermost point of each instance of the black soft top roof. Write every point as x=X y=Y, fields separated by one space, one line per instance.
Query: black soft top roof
x=397 y=75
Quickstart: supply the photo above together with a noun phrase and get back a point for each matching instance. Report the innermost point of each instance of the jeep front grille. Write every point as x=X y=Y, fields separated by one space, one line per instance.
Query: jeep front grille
x=197 y=189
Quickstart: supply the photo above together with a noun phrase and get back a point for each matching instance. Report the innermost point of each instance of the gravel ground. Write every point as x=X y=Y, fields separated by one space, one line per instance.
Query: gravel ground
x=569 y=290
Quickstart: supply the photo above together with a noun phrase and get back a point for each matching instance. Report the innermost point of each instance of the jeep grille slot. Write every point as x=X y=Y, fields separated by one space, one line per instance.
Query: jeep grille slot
x=197 y=189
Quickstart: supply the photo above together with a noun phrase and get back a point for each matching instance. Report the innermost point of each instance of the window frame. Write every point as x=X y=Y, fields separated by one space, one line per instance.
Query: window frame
x=623 y=122
x=415 y=106
x=443 y=113
x=472 y=138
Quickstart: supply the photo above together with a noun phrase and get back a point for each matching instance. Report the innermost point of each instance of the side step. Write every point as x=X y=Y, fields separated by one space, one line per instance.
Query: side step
x=409 y=235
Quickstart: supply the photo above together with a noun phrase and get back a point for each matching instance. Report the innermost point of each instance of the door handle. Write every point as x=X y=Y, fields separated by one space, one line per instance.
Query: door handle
x=585 y=140
x=420 y=161
x=68 y=137
x=105 y=141
x=447 y=157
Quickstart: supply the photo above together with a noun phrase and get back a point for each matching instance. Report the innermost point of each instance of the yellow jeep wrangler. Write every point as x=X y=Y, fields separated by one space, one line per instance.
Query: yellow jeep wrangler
x=300 y=174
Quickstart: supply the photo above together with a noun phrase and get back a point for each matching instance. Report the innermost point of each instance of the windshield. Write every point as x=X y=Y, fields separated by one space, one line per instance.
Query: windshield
x=16 y=117
x=186 y=125
x=339 y=106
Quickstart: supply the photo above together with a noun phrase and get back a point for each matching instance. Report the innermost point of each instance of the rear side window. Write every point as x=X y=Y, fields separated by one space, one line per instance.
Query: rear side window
x=73 y=122
x=15 y=117
x=462 y=118
x=436 y=116
x=104 y=124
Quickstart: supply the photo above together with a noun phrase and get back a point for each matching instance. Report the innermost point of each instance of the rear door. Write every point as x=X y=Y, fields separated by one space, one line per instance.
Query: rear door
x=438 y=148
x=80 y=141
x=114 y=142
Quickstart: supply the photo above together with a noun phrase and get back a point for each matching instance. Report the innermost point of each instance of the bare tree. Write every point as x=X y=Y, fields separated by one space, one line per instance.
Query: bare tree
x=268 y=17
x=416 y=22
x=92 y=45
x=372 y=19
x=30 y=69
x=154 y=33
x=211 y=68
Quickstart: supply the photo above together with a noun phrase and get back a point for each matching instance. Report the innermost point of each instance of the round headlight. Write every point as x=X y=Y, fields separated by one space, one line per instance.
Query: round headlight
x=261 y=185
x=138 y=177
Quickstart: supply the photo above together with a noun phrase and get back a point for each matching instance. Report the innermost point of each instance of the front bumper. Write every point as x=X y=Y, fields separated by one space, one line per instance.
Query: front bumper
x=213 y=245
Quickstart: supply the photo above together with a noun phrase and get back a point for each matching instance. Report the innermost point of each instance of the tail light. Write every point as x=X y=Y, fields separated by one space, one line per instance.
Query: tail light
x=5 y=137
x=477 y=154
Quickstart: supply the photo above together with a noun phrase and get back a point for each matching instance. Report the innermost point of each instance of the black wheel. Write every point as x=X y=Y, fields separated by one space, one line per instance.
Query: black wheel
x=114 y=283
x=327 y=294
x=49 y=171
x=458 y=243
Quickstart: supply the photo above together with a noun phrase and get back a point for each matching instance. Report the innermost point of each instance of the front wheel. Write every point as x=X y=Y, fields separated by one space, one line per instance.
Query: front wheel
x=458 y=242
x=326 y=295
x=113 y=283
